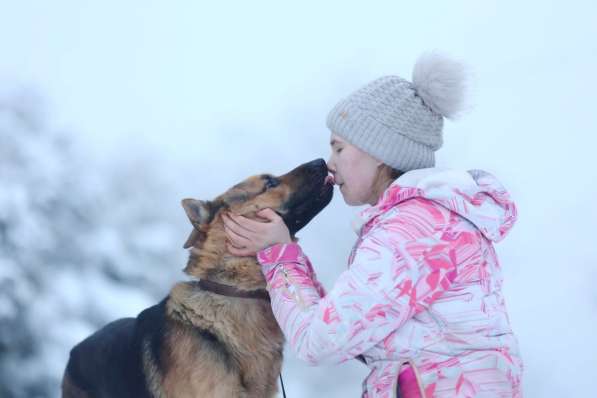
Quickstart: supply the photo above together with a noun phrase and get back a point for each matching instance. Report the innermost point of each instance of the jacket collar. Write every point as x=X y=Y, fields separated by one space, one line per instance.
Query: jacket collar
x=398 y=191
x=475 y=195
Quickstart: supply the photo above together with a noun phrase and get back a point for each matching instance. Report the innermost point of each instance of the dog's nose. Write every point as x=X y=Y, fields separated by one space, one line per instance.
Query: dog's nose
x=317 y=163
x=316 y=167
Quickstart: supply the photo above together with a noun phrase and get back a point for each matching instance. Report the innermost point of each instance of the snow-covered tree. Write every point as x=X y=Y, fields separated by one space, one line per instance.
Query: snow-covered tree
x=81 y=244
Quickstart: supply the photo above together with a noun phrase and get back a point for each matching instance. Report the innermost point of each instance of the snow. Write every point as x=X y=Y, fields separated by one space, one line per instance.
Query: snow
x=78 y=248
x=177 y=101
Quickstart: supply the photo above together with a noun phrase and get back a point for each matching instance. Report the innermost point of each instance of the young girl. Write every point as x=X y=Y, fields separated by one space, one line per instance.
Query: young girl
x=421 y=301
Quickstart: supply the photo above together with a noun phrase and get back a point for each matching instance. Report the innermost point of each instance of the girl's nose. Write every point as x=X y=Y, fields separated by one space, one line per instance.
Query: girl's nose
x=331 y=166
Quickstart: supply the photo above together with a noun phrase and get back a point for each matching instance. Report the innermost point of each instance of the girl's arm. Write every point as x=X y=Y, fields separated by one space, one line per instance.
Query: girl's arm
x=385 y=286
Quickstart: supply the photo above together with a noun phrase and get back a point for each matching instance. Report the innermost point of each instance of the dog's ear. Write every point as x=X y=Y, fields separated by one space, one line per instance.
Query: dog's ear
x=199 y=214
x=193 y=238
x=197 y=210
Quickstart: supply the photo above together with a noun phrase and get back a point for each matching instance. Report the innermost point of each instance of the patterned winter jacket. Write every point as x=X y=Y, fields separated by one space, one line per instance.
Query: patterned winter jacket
x=423 y=287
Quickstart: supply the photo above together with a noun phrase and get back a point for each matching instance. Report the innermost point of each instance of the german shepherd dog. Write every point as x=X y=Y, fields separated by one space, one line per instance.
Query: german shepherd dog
x=211 y=337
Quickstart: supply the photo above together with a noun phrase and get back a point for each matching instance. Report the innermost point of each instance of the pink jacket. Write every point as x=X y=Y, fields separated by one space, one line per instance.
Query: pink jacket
x=423 y=286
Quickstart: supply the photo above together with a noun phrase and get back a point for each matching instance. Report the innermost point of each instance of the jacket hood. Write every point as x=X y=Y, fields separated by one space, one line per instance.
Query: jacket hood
x=474 y=194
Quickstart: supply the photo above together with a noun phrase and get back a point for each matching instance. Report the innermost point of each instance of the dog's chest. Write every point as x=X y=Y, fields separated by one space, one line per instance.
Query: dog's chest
x=201 y=364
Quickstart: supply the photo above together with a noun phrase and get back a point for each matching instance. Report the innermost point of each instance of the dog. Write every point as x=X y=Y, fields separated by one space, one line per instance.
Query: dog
x=212 y=336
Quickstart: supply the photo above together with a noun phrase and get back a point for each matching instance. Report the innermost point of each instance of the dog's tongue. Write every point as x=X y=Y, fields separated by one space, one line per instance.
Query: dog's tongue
x=330 y=179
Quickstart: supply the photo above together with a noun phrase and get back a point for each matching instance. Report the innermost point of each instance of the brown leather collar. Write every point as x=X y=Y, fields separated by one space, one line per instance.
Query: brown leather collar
x=231 y=291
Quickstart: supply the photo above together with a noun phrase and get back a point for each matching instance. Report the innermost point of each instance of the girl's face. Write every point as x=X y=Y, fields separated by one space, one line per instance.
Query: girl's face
x=354 y=172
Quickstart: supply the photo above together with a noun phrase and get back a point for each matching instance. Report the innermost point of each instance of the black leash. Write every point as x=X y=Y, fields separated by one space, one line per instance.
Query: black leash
x=282 y=382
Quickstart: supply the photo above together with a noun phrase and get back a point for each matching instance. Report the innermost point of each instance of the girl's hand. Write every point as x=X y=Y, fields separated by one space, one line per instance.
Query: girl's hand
x=246 y=237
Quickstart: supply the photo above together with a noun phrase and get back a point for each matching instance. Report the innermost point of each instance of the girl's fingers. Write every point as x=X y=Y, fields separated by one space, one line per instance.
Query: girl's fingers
x=232 y=250
x=235 y=226
x=247 y=223
x=269 y=214
x=238 y=252
x=238 y=240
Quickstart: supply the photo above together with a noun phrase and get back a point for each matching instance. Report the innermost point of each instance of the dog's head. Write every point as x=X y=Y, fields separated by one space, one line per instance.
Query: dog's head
x=296 y=196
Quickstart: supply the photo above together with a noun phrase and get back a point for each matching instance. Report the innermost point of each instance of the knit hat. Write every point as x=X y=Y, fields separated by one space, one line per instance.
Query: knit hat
x=399 y=122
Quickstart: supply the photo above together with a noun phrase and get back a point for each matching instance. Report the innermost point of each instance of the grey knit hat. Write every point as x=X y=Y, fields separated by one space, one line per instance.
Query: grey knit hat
x=399 y=122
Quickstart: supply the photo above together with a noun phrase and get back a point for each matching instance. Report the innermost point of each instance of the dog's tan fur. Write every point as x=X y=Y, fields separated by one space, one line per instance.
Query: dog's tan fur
x=250 y=331
x=198 y=343
x=246 y=325
x=209 y=258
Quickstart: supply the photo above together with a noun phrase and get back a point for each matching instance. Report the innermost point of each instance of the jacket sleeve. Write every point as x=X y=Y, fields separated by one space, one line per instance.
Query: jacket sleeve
x=387 y=283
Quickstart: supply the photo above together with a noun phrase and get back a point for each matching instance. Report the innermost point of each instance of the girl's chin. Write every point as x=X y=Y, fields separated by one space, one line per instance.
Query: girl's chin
x=347 y=199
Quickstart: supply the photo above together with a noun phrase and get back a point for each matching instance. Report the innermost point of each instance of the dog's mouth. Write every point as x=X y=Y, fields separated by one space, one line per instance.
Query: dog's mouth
x=315 y=192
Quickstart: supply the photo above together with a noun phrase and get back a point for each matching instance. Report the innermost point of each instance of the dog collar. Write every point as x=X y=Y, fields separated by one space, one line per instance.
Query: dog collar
x=231 y=291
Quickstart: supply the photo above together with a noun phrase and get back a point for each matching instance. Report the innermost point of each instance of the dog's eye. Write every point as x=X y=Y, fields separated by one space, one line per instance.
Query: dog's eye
x=271 y=182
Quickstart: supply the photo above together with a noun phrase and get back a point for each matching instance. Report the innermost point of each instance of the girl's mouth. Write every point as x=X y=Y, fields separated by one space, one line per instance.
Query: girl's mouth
x=331 y=179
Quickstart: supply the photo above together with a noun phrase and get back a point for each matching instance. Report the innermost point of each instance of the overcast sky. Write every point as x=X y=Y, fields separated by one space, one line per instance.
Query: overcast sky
x=216 y=91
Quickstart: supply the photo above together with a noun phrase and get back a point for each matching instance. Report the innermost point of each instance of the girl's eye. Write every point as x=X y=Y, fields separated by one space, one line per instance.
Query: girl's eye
x=338 y=150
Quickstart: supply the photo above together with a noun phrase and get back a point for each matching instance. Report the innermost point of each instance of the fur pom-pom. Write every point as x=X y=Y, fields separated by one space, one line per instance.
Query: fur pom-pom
x=440 y=82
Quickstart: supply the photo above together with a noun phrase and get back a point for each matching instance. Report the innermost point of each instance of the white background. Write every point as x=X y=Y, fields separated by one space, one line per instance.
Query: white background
x=215 y=91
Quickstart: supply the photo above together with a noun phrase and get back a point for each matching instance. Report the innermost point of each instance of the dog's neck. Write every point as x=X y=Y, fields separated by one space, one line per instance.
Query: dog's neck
x=231 y=291
x=209 y=260
x=194 y=306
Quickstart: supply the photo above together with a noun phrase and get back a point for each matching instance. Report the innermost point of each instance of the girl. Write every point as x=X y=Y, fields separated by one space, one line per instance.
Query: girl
x=420 y=302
